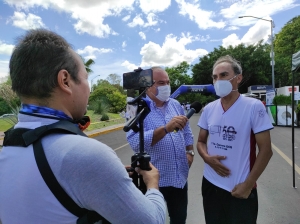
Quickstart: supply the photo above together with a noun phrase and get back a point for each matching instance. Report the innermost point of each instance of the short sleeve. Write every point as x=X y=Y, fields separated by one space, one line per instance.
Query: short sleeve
x=260 y=120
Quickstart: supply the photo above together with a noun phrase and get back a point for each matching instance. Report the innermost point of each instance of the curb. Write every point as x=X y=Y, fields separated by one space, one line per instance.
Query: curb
x=91 y=135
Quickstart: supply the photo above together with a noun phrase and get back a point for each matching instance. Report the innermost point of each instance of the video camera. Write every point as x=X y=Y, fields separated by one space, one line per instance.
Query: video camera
x=138 y=80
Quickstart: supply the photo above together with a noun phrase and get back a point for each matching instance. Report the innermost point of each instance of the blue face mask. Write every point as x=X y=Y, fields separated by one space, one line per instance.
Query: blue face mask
x=163 y=93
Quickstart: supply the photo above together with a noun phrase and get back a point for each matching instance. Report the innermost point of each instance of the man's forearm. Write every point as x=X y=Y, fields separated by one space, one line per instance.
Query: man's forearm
x=261 y=162
x=158 y=134
x=202 y=150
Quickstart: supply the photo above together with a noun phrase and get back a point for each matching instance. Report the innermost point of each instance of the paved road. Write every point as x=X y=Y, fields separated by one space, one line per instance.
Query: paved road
x=279 y=202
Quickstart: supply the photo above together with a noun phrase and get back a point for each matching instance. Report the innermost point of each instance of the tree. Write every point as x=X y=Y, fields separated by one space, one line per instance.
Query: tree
x=178 y=75
x=107 y=94
x=255 y=61
x=4 y=108
x=10 y=97
x=287 y=42
x=114 y=79
x=88 y=64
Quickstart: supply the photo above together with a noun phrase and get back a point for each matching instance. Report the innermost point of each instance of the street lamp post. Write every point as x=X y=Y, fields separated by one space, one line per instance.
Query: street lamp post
x=92 y=82
x=272 y=47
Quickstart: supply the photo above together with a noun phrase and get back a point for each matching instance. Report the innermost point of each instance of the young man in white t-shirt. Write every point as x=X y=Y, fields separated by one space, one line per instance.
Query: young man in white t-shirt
x=235 y=125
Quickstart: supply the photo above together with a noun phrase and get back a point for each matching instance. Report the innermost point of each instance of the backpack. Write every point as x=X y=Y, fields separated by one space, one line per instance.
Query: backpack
x=24 y=137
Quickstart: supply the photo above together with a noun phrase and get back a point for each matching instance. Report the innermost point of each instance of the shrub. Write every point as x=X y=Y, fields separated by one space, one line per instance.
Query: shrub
x=298 y=108
x=104 y=117
x=98 y=106
x=282 y=100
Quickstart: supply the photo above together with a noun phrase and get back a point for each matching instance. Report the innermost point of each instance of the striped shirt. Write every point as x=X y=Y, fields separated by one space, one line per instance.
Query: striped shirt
x=169 y=154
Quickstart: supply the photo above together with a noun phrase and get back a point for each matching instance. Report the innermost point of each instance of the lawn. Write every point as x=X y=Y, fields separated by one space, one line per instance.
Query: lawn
x=95 y=121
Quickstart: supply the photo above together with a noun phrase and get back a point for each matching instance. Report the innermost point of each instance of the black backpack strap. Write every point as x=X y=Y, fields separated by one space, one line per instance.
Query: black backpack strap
x=52 y=182
x=24 y=137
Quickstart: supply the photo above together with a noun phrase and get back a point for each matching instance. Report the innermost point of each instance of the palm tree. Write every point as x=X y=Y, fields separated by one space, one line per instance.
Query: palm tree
x=88 y=64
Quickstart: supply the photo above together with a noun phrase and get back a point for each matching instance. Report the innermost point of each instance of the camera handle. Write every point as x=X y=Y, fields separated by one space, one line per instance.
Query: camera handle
x=140 y=159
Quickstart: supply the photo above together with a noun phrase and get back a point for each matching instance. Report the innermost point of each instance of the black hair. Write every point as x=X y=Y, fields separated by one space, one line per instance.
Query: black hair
x=36 y=60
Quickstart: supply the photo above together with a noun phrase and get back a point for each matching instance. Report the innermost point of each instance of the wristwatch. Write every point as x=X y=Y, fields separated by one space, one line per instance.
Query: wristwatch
x=191 y=152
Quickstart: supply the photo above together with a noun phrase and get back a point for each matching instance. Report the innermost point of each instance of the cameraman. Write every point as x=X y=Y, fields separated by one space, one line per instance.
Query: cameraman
x=52 y=83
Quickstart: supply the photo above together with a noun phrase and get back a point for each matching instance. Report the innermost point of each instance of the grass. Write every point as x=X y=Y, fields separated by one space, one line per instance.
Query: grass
x=4 y=125
x=95 y=121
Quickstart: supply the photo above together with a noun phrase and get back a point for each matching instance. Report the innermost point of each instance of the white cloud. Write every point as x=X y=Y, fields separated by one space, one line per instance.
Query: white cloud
x=260 y=31
x=151 y=20
x=202 y=38
x=138 y=21
x=232 y=40
x=257 y=8
x=124 y=44
x=91 y=52
x=232 y=28
x=26 y=22
x=83 y=13
x=129 y=66
x=6 y=48
x=142 y=35
x=126 y=18
x=201 y=17
x=171 y=53
x=154 y=5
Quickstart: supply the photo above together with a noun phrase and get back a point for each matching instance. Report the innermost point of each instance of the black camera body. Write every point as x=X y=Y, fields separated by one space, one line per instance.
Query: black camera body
x=138 y=79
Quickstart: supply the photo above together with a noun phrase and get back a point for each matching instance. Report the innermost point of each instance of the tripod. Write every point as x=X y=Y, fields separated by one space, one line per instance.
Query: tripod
x=140 y=159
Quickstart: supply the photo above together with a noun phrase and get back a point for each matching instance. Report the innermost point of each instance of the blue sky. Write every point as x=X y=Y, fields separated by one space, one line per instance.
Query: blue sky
x=121 y=35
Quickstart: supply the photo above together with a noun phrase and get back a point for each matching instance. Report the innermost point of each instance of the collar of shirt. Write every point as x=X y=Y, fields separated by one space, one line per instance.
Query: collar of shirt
x=153 y=104
x=31 y=109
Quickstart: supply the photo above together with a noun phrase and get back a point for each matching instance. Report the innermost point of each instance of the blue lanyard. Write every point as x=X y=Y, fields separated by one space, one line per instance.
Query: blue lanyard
x=33 y=109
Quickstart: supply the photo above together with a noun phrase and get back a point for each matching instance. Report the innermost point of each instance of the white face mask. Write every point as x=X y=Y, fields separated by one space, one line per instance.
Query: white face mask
x=163 y=92
x=223 y=87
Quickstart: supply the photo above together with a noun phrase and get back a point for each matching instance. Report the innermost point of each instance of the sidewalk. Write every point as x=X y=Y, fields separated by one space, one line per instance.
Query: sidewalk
x=90 y=134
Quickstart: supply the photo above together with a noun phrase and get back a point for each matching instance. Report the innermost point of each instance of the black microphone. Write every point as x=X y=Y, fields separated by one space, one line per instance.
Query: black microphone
x=194 y=108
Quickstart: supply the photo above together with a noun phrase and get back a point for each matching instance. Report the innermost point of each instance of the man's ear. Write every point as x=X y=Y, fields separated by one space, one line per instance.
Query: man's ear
x=239 y=78
x=64 y=80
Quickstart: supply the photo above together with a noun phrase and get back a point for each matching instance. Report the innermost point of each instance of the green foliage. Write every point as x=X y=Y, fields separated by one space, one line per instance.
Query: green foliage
x=4 y=107
x=287 y=42
x=282 y=100
x=178 y=75
x=98 y=106
x=88 y=65
x=110 y=95
x=298 y=108
x=192 y=97
x=255 y=61
x=117 y=101
x=104 y=117
x=10 y=99
x=114 y=79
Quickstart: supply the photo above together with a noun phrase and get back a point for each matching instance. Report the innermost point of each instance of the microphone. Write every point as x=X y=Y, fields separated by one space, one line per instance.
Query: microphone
x=194 y=108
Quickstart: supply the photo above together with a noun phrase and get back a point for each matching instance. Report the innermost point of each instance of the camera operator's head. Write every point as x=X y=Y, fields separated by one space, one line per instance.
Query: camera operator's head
x=160 y=91
x=46 y=71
